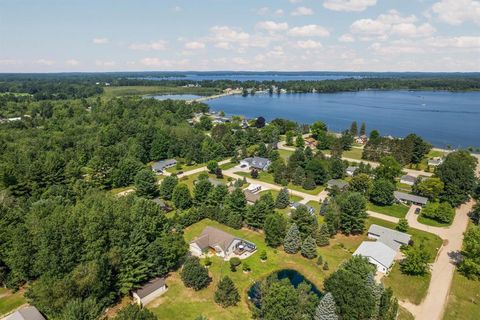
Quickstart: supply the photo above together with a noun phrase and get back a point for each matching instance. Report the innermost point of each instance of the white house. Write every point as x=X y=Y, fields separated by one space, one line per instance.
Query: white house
x=408 y=179
x=254 y=188
x=221 y=243
x=435 y=162
x=351 y=171
x=25 y=313
x=378 y=254
x=148 y=292
x=258 y=163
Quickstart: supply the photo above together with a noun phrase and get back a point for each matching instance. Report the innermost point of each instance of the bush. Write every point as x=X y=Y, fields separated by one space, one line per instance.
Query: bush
x=246 y=267
x=402 y=225
x=194 y=275
x=325 y=266
x=234 y=263
x=441 y=212
x=319 y=260
x=263 y=255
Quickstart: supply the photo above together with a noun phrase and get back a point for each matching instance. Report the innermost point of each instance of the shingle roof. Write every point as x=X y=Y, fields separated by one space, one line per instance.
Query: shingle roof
x=378 y=251
x=295 y=205
x=351 y=169
x=26 y=313
x=335 y=182
x=408 y=178
x=211 y=237
x=250 y=196
x=402 y=196
x=258 y=162
x=392 y=238
x=160 y=165
x=150 y=286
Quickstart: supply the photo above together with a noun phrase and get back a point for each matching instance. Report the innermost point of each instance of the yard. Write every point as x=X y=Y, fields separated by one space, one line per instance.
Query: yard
x=354 y=153
x=10 y=301
x=423 y=165
x=464 y=299
x=285 y=154
x=190 y=179
x=268 y=178
x=432 y=222
x=405 y=287
x=395 y=210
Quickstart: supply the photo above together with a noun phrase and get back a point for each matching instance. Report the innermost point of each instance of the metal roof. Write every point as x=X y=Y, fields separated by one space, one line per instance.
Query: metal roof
x=408 y=178
x=377 y=251
x=392 y=238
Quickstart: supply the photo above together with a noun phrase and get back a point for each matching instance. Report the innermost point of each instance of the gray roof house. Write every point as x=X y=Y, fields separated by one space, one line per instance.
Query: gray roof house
x=256 y=163
x=351 y=170
x=26 y=313
x=149 y=291
x=434 y=162
x=408 y=179
x=392 y=238
x=409 y=198
x=159 y=166
x=377 y=253
x=336 y=183
x=224 y=244
x=295 y=205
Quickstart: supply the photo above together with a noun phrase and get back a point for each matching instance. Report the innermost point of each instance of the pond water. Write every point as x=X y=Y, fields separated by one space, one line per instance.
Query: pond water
x=173 y=96
x=295 y=278
x=442 y=118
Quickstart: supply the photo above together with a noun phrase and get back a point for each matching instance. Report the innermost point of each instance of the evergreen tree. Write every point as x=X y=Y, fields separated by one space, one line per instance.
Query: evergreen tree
x=166 y=187
x=382 y=192
x=255 y=214
x=227 y=294
x=283 y=199
x=146 y=184
x=377 y=291
x=353 y=213
x=326 y=309
x=293 y=241
x=236 y=202
x=194 y=275
x=354 y=129
x=289 y=138
x=298 y=176
x=309 y=248
x=181 y=197
x=323 y=235
x=201 y=190
x=88 y=309
x=308 y=183
x=267 y=198
x=212 y=166
x=134 y=312
x=299 y=142
x=388 y=309
x=305 y=221
x=363 y=130
x=274 y=229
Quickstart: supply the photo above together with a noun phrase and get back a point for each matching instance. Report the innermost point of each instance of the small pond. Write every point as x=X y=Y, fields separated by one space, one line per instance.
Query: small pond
x=173 y=96
x=254 y=292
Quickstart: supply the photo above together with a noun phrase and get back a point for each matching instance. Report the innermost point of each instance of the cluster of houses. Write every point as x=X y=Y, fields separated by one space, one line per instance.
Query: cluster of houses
x=382 y=252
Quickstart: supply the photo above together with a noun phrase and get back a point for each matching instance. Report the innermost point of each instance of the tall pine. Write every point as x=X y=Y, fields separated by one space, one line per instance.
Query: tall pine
x=227 y=294
x=292 y=242
x=326 y=309
x=309 y=248
x=283 y=199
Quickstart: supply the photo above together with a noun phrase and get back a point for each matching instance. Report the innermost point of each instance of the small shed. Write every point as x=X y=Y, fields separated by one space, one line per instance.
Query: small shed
x=149 y=291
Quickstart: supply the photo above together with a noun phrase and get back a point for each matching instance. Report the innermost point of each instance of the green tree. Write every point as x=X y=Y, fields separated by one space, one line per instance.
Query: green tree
x=470 y=264
x=256 y=213
x=289 y=138
x=388 y=309
x=326 y=309
x=167 y=186
x=201 y=190
x=126 y=172
x=402 y=225
x=146 y=184
x=306 y=222
x=337 y=168
x=317 y=169
x=234 y=263
x=181 y=197
x=87 y=309
x=298 y=176
x=280 y=302
x=382 y=192
x=318 y=128
x=299 y=142
x=309 y=248
x=416 y=260
x=308 y=183
x=293 y=241
x=361 y=183
x=354 y=129
x=274 y=228
x=134 y=312
x=431 y=188
x=226 y=294
x=283 y=199
x=353 y=213
x=212 y=166
x=194 y=275
x=363 y=130
x=323 y=235
x=389 y=169
x=475 y=214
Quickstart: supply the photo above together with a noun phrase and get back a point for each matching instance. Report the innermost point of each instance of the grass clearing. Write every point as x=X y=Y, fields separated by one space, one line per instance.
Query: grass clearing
x=190 y=179
x=405 y=287
x=227 y=166
x=404 y=314
x=10 y=301
x=432 y=222
x=354 y=153
x=395 y=210
x=142 y=90
x=464 y=299
x=285 y=154
x=275 y=193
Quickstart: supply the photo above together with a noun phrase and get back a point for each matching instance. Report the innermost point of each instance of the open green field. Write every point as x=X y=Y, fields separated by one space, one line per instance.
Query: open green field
x=354 y=153
x=183 y=303
x=10 y=301
x=190 y=179
x=227 y=166
x=268 y=178
x=141 y=90
x=395 y=210
x=464 y=299
x=405 y=287
x=185 y=168
x=285 y=154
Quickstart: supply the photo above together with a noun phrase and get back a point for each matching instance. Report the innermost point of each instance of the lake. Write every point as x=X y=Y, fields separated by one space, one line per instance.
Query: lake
x=254 y=292
x=442 y=118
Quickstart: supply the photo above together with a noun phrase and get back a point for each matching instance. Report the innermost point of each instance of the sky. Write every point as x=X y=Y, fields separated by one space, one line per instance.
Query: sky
x=255 y=35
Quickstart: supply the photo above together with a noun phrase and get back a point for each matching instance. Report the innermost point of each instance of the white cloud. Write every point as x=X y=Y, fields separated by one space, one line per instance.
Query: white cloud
x=240 y=61
x=272 y=26
x=8 y=62
x=154 y=45
x=223 y=45
x=195 y=45
x=45 y=62
x=348 y=5
x=278 y=13
x=308 y=44
x=100 y=63
x=411 y=30
x=462 y=42
x=395 y=48
x=72 y=62
x=310 y=30
x=164 y=63
x=302 y=11
x=100 y=40
x=294 y=1
x=263 y=11
x=227 y=34
x=346 y=38
x=456 y=12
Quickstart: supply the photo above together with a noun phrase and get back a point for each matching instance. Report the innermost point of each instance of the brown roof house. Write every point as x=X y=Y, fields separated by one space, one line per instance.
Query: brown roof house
x=222 y=244
x=149 y=291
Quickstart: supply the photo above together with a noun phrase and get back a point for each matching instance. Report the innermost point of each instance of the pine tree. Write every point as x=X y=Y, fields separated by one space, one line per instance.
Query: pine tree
x=227 y=294
x=308 y=183
x=377 y=291
x=298 y=176
x=292 y=242
x=299 y=142
x=354 y=128
x=363 y=129
x=309 y=248
x=194 y=275
x=323 y=235
x=283 y=199
x=201 y=190
x=274 y=228
x=181 y=197
x=146 y=184
x=326 y=309
x=167 y=186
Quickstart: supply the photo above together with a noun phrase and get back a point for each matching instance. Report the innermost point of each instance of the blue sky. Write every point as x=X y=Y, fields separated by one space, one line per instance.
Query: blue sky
x=333 y=35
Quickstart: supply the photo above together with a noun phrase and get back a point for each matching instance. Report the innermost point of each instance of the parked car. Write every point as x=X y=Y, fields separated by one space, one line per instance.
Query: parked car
x=417 y=210
x=243 y=166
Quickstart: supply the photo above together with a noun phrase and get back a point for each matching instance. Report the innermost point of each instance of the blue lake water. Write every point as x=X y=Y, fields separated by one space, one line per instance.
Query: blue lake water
x=173 y=96
x=442 y=118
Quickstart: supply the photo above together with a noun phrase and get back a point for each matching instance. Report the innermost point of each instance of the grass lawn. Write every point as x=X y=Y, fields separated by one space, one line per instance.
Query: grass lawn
x=404 y=314
x=463 y=300
x=316 y=205
x=404 y=187
x=182 y=303
x=423 y=165
x=285 y=154
x=190 y=179
x=354 y=153
x=275 y=193
x=10 y=301
x=185 y=168
x=405 y=287
x=141 y=90
x=228 y=165
x=432 y=222
x=395 y=210
x=268 y=178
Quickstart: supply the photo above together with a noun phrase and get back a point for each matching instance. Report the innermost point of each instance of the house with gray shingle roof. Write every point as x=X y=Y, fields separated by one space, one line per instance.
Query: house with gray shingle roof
x=392 y=238
x=159 y=166
x=258 y=163
x=409 y=198
x=408 y=179
x=337 y=183
x=25 y=313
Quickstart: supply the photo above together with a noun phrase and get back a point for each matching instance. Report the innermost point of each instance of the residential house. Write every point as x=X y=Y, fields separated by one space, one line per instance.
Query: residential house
x=159 y=166
x=377 y=253
x=258 y=163
x=311 y=142
x=295 y=205
x=407 y=198
x=254 y=188
x=26 y=313
x=250 y=196
x=351 y=171
x=222 y=244
x=149 y=291
x=363 y=139
x=408 y=179
x=435 y=162
x=392 y=238
x=337 y=183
